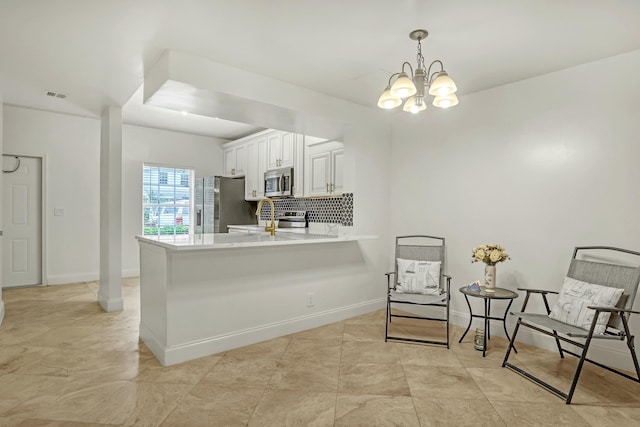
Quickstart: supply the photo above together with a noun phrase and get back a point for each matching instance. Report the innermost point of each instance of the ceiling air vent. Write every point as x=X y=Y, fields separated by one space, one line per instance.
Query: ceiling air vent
x=55 y=94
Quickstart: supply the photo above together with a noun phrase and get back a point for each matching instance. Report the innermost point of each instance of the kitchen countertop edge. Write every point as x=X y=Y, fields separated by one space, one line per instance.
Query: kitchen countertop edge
x=207 y=241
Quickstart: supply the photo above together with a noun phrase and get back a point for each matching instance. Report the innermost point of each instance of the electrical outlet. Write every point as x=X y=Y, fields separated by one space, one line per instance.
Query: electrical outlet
x=310 y=299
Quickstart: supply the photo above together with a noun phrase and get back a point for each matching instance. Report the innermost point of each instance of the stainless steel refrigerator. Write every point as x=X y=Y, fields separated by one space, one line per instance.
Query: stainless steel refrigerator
x=219 y=202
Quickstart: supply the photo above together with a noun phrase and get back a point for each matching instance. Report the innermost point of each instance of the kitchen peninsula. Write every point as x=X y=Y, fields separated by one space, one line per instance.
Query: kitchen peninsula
x=206 y=293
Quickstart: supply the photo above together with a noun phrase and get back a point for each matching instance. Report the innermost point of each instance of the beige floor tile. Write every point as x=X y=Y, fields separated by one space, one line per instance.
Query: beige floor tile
x=294 y=408
x=504 y=385
x=603 y=416
x=538 y=414
x=373 y=318
x=456 y=412
x=101 y=366
x=305 y=375
x=426 y=355
x=472 y=358
x=230 y=372
x=65 y=362
x=84 y=338
x=32 y=422
x=57 y=398
x=215 y=406
x=364 y=332
x=20 y=334
x=183 y=373
x=373 y=378
x=441 y=382
x=596 y=386
x=272 y=349
x=369 y=352
x=319 y=350
x=367 y=411
x=140 y=404
x=14 y=357
x=332 y=331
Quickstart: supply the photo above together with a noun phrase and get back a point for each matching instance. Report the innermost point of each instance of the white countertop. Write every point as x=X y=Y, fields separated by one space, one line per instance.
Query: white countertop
x=243 y=240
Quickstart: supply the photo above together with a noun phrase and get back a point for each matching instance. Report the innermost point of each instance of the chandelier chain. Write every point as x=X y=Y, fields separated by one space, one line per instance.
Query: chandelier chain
x=420 y=58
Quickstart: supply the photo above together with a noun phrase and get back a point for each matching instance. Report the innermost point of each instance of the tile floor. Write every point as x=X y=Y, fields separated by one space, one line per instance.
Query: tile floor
x=64 y=362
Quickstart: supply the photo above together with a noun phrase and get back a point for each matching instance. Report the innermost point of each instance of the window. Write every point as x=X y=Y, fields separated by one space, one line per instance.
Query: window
x=164 y=178
x=166 y=200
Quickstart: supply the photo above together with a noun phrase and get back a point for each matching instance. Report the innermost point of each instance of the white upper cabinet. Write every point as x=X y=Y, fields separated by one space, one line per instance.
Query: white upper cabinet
x=234 y=160
x=323 y=169
x=256 y=167
x=253 y=155
x=281 y=149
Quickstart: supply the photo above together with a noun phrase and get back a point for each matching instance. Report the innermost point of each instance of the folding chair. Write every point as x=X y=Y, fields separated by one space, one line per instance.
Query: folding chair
x=576 y=316
x=418 y=280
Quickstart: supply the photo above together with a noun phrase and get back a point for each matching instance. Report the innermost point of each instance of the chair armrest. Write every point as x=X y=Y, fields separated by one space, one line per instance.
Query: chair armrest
x=537 y=291
x=390 y=284
x=612 y=309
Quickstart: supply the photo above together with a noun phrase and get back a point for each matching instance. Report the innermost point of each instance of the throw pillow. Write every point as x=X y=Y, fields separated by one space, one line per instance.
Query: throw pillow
x=418 y=277
x=576 y=296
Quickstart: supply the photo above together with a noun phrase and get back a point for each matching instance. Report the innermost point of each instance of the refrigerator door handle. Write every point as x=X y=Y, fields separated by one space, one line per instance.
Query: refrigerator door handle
x=199 y=218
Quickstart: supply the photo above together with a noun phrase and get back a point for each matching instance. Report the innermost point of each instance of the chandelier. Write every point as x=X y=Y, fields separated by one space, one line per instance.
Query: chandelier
x=410 y=89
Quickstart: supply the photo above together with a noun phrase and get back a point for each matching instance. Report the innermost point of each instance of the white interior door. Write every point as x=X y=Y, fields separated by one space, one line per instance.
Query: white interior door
x=22 y=217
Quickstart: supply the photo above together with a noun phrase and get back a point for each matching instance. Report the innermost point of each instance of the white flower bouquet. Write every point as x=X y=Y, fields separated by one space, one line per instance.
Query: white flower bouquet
x=489 y=254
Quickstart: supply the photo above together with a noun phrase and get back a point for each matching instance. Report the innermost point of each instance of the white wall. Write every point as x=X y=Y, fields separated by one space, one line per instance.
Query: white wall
x=70 y=146
x=141 y=145
x=539 y=166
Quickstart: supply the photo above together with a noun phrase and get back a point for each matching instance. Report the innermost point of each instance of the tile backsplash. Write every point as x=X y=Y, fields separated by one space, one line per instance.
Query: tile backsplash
x=333 y=210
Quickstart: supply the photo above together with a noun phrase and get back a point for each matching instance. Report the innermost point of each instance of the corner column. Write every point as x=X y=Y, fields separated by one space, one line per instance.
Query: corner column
x=110 y=293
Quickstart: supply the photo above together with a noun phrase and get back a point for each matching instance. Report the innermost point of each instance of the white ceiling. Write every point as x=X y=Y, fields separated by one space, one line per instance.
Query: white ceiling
x=96 y=52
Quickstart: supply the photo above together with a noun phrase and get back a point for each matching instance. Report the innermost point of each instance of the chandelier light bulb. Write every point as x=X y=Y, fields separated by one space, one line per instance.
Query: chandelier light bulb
x=445 y=101
x=442 y=85
x=412 y=106
x=403 y=87
x=387 y=101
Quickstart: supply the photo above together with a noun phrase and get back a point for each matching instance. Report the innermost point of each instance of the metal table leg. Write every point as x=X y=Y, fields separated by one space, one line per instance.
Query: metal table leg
x=487 y=312
x=470 y=318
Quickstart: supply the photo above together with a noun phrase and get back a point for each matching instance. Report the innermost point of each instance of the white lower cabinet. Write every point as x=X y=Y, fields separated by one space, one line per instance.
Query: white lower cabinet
x=323 y=169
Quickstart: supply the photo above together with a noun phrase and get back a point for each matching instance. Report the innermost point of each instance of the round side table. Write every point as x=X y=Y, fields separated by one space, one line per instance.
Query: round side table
x=499 y=294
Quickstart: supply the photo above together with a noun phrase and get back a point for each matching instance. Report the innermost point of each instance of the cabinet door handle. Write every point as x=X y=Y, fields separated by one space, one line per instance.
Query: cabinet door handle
x=332 y=187
x=327 y=187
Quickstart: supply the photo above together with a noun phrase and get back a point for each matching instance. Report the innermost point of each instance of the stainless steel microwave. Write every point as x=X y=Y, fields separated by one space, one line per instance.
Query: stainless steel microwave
x=278 y=182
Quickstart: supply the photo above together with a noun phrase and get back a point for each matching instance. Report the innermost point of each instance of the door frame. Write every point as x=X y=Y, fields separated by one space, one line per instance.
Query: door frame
x=43 y=216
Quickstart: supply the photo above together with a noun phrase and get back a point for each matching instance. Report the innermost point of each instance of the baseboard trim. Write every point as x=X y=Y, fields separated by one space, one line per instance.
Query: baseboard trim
x=193 y=350
x=110 y=304
x=66 y=279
